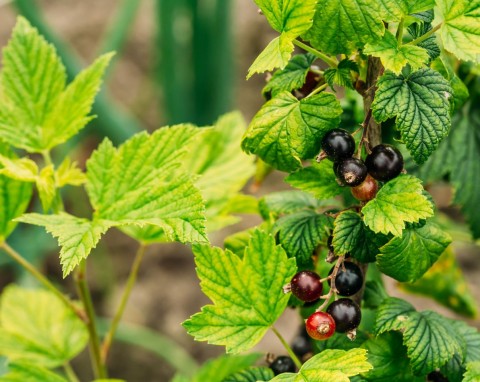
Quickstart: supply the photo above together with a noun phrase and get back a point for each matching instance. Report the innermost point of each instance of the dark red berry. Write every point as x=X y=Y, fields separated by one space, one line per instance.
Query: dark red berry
x=320 y=325
x=338 y=144
x=346 y=314
x=282 y=364
x=351 y=172
x=311 y=82
x=348 y=281
x=306 y=286
x=367 y=190
x=385 y=162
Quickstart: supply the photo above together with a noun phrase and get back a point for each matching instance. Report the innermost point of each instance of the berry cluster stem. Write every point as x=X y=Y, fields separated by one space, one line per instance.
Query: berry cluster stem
x=364 y=138
x=287 y=347
x=333 y=289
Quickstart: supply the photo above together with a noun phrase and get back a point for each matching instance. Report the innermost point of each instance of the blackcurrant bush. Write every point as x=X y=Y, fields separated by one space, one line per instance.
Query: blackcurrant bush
x=282 y=364
x=301 y=344
x=306 y=286
x=436 y=376
x=338 y=144
x=320 y=325
x=348 y=281
x=346 y=314
x=385 y=162
x=351 y=172
x=366 y=191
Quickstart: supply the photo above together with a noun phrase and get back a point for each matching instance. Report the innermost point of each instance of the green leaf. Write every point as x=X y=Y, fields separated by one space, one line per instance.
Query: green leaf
x=286 y=202
x=399 y=201
x=430 y=44
x=252 y=374
x=350 y=235
x=275 y=55
x=343 y=26
x=77 y=237
x=23 y=169
x=460 y=90
x=292 y=76
x=420 y=103
x=37 y=112
x=35 y=326
x=473 y=372
x=374 y=294
x=388 y=356
x=223 y=367
x=301 y=232
x=69 y=174
x=27 y=372
x=14 y=197
x=446 y=284
x=394 y=56
x=406 y=258
x=287 y=130
x=331 y=365
x=341 y=75
x=395 y=10
x=46 y=186
x=222 y=167
x=460 y=29
x=140 y=183
x=246 y=293
x=428 y=336
x=317 y=179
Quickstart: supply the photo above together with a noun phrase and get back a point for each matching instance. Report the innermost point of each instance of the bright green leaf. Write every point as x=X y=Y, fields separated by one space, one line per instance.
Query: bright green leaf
x=318 y=180
x=275 y=55
x=69 y=174
x=35 y=326
x=399 y=201
x=394 y=56
x=388 y=356
x=37 y=112
x=77 y=237
x=286 y=202
x=246 y=293
x=287 y=130
x=395 y=10
x=420 y=104
x=331 y=365
x=252 y=374
x=392 y=314
x=460 y=29
x=292 y=76
x=343 y=26
x=341 y=75
x=27 y=372
x=301 y=232
x=406 y=258
x=473 y=372
x=45 y=182
x=23 y=169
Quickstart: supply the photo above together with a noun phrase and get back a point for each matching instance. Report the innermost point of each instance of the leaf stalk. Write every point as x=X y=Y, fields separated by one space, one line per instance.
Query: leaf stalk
x=331 y=61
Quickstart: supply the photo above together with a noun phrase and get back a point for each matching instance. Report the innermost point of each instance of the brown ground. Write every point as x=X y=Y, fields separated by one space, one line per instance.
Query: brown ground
x=167 y=291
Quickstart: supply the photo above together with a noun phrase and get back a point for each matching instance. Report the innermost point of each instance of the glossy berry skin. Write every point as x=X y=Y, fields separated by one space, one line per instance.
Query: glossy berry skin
x=348 y=281
x=351 y=172
x=385 y=162
x=320 y=326
x=306 y=286
x=367 y=190
x=346 y=314
x=282 y=364
x=338 y=144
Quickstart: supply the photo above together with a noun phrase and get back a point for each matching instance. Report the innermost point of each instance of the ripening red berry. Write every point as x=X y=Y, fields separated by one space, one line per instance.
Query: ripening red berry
x=320 y=325
x=366 y=191
x=306 y=286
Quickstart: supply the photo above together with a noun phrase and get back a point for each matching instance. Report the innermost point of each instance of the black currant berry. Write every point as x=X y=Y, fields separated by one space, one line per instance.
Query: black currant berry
x=351 y=172
x=346 y=314
x=367 y=190
x=338 y=144
x=436 y=376
x=282 y=364
x=301 y=344
x=385 y=162
x=306 y=286
x=348 y=281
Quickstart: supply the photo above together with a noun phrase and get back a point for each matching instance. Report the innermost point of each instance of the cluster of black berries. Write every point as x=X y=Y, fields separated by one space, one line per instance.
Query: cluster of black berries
x=385 y=162
x=342 y=315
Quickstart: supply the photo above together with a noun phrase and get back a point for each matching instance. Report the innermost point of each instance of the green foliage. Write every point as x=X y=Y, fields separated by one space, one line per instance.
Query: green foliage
x=246 y=293
x=252 y=374
x=399 y=201
x=396 y=10
x=287 y=130
x=330 y=365
x=473 y=372
x=341 y=75
x=36 y=327
x=27 y=372
x=420 y=103
x=406 y=258
x=286 y=202
x=37 y=111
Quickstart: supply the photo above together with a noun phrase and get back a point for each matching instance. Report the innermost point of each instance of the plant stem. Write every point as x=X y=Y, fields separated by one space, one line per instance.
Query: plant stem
x=317 y=90
x=425 y=36
x=107 y=342
x=400 y=31
x=287 y=348
x=333 y=289
x=70 y=373
x=329 y=60
x=84 y=294
x=42 y=279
